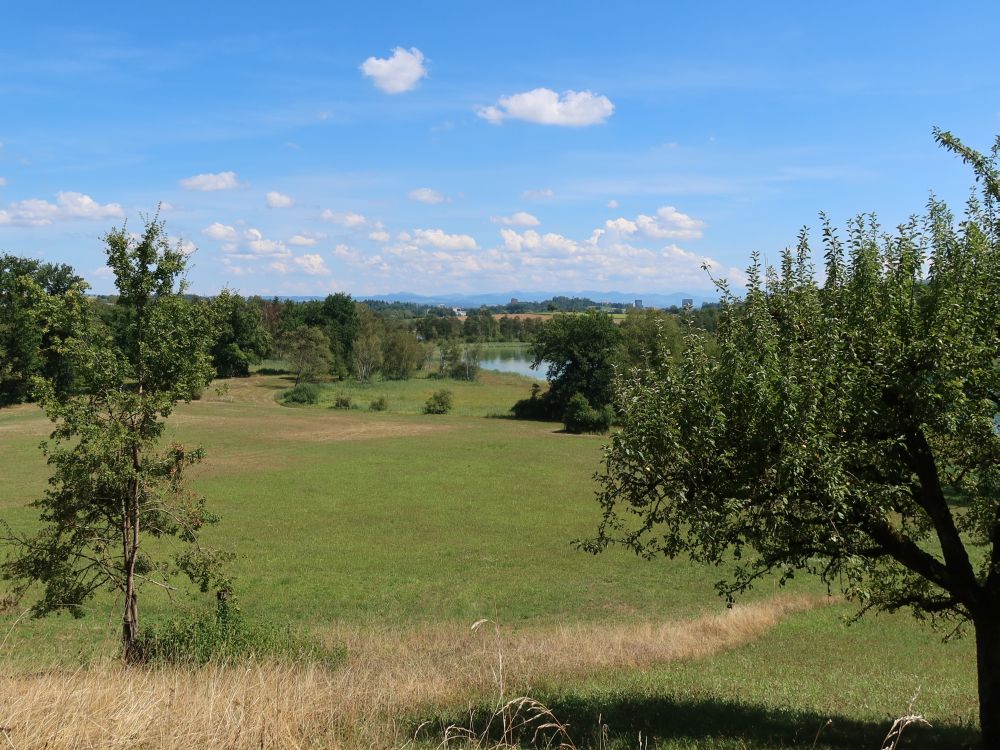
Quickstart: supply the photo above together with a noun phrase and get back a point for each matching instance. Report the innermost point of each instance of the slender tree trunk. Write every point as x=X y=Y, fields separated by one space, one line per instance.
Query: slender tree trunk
x=988 y=669
x=130 y=618
x=130 y=621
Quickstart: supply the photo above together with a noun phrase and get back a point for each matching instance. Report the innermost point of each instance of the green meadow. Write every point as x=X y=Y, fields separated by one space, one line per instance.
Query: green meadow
x=400 y=521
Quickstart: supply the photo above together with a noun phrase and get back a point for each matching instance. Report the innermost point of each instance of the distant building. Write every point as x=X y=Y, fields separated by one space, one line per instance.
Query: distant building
x=687 y=303
x=459 y=311
x=638 y=304
x=514 y=300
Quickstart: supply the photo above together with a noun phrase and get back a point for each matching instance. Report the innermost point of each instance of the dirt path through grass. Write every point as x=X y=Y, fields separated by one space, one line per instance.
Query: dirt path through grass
x=391 y=680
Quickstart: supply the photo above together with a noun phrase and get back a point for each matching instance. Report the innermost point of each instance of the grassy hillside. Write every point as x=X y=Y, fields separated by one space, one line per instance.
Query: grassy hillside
x=392 y=532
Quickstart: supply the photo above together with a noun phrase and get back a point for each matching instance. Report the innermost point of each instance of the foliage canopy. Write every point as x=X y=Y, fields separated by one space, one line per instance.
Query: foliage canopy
x=847 y=428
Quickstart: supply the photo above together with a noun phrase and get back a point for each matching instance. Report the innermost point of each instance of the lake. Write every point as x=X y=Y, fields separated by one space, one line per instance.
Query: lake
x=512 y=360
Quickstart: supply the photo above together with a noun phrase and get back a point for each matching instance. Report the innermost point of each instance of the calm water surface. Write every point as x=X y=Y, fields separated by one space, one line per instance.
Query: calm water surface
x=513 y=360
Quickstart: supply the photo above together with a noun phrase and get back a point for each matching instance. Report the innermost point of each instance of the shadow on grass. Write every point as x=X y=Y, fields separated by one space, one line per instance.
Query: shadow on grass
x=669 y=722
x=286 y=382
x=271 y=371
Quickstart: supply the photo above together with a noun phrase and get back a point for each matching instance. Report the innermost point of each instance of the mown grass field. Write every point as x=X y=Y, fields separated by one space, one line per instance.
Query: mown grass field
x=392 y=532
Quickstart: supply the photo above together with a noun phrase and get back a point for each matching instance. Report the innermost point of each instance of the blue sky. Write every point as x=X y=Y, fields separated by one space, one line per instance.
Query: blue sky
x=473 y=147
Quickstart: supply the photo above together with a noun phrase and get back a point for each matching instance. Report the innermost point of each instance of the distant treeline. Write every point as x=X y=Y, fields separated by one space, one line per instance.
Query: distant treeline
x=333 y=337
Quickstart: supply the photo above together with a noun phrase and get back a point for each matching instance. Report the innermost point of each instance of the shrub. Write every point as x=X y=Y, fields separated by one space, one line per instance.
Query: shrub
x=342 y=401
x=226 y=637
x=303 y=393
x=580 y=416
x=537 y=407
x=440 y=402
x=378 y=404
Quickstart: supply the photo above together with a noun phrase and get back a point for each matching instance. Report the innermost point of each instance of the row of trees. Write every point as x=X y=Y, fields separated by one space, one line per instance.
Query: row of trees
x=331 y=337
x=479 y=325
x=377 y=349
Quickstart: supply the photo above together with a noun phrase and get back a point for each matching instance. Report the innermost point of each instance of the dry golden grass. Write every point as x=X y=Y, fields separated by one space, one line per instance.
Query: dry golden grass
x=389 y=679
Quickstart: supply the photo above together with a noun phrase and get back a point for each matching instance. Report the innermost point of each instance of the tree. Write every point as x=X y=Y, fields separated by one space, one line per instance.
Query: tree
x=581 y=351
x=402 y=354
x=847 y=429
x=337 y=317
x=240 y=337
x=480 y=325
x=648 y=336
x=25 y=339
x=460 y=361
x=342 y=323
x=113 y=483
x=366 y=352
x=307 y=350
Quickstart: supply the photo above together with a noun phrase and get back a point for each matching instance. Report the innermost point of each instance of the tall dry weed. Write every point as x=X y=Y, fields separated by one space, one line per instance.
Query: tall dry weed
x=389 y=678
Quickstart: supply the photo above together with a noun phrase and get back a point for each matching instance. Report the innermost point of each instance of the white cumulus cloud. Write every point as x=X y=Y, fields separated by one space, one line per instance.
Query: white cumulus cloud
x=255 y=241
x=546 y=107
x=669 y=223
x=349 y=220
x=3 y=181
x=426 y=195
x=306 y=239
x=312 y=264
x=398 y=73
x=379 y=235
x=220 y=232
x=442 y=240
x=278 y=200
x=210 y=181
x=517 y=219
x=36 y=212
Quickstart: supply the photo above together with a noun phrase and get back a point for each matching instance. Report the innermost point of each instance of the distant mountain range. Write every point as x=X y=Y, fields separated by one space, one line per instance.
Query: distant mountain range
x=502 y=298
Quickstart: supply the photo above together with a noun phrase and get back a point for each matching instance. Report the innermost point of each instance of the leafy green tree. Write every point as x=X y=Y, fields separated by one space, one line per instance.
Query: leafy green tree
x=366 y=351
x=581 y=350
x=436 y=327
x=460 y=361
x=337 y=317
x=114 y=484
x=648 y=335
x=240 y=337
x=341 y=319
x=307 y=350
x=480 y=325
x=847 y=428
x=402 y=354
x=26 y=339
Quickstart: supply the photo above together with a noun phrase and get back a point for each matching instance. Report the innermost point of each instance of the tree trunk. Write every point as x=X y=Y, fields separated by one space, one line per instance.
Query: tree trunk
x=988 y=669
x=130 y=619
x=130 y=623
